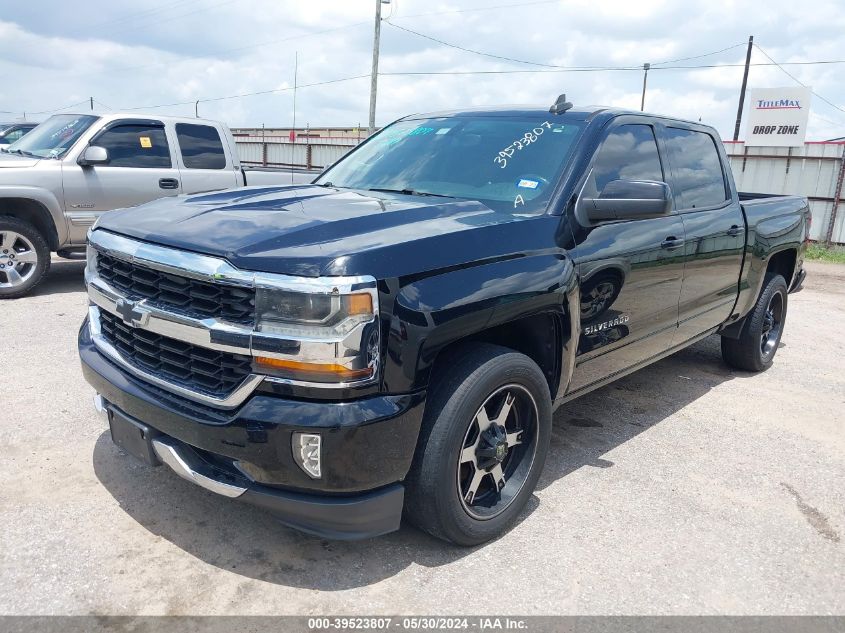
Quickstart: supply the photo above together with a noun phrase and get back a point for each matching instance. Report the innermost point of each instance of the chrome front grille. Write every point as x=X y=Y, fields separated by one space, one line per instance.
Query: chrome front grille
x=185 y=322
x=198 y=368
x=180 y=294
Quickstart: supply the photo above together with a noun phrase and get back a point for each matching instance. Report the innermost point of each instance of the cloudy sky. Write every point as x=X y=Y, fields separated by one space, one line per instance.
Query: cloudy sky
x=55 y=53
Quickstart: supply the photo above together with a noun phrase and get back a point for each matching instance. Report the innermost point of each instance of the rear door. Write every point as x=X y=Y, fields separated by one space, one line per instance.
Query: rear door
x=630 y=270
x=204 y=163
x=141 y=168
x=713 y=223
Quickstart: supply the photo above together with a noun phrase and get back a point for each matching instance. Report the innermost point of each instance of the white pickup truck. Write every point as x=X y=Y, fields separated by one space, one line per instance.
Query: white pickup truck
x=57 y=180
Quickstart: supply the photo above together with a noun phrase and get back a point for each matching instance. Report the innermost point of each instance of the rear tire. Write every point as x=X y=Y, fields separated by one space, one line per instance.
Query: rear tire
x=758 y=341
x=24 y=257
x=474 y=471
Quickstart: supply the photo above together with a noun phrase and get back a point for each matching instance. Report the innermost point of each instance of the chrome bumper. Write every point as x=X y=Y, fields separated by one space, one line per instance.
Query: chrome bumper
x=186 y=464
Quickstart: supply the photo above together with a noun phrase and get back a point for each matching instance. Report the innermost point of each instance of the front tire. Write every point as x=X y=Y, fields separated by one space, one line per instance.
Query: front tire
x=482 y=446
x=24 y=257
x=758 y=341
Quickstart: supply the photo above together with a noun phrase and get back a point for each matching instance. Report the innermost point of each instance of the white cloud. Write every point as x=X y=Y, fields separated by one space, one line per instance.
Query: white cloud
x=153 y=52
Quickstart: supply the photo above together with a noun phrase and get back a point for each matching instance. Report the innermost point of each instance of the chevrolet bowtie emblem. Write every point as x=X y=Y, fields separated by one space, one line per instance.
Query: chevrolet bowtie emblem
x=131 y=313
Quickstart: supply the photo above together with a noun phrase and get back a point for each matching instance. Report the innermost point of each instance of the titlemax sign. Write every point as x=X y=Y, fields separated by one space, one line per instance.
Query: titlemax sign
x=779 y=104
x=777 y=117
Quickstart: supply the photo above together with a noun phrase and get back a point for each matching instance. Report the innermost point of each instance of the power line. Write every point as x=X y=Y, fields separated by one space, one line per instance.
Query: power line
x=170 y=18
x=238 y=48
x=590 y=69
x=146 y=13
x=245 y=94
x=470 y=50
x=140 y=14
x=72 y=105
x=794 y=78
x=532 y=63
x=500 y=6
x=686 y=59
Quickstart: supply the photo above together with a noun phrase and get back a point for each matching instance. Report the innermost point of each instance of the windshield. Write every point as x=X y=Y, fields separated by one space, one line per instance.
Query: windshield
x=54 y=137
x=508 y=163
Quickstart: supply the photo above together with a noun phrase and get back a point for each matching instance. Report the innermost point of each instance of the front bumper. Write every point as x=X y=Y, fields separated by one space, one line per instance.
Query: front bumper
x=367 y=445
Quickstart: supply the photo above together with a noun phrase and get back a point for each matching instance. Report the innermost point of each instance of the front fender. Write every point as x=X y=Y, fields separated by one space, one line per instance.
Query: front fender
x=48 y=207
x=435 y=311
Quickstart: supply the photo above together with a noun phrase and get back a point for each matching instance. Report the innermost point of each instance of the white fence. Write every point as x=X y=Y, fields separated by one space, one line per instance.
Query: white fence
x=305 y=152
x=814 y=170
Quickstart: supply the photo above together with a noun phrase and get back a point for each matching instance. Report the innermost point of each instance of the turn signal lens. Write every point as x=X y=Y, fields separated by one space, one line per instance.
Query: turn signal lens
x=360 y=304
x=318 y=372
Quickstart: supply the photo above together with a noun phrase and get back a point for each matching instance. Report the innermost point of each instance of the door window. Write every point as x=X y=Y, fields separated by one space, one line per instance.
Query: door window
x=699 y=181
x=11 y=137
x=628 y=153
x=200 y=146
x=135 y=145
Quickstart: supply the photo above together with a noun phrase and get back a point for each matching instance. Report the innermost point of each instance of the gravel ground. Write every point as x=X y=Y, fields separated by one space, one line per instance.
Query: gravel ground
x=685 y=488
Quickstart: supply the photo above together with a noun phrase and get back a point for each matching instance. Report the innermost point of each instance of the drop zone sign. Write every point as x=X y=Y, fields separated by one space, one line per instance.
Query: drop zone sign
x=777 y=117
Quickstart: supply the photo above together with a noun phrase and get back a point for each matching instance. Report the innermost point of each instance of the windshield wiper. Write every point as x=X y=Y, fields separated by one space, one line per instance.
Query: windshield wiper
x=21 y=152
x=411 y=192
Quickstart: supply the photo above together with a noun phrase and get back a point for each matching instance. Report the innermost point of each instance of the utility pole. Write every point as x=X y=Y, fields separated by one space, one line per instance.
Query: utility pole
x=293 y=131
x=91 y=99
x=197 y=108
x=744 y=84
x=374 y=77
x=645 y=80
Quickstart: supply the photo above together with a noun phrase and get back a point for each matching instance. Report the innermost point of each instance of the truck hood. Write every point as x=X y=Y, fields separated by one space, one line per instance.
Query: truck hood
x=16 y=160
x=311 y=230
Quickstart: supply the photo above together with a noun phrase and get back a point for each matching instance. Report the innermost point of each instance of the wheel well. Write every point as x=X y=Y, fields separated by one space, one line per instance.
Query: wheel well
x=783 y=263
x=538 y=337
x=33 y=212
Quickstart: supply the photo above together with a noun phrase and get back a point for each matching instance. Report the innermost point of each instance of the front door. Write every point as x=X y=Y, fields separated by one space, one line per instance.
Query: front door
x=630 y=271
x=140 y=168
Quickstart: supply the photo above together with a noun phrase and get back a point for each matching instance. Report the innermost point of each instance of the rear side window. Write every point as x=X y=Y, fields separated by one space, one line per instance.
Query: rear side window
x=628 y=153
x=699 y=181
x=201 y=146
x=135 y=146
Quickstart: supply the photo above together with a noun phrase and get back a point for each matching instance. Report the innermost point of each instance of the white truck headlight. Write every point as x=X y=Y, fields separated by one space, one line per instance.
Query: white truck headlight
x=332 y=334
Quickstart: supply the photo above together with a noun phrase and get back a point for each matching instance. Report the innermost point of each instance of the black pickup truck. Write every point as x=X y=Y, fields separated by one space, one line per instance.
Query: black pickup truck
x=394 y=337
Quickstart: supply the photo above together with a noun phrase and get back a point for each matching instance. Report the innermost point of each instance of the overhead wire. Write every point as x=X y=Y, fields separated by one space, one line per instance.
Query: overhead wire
x=794 y=78
x=575 y=69
x=472 y=10
x=246 y=94
x=72 y=105
x=544 y=65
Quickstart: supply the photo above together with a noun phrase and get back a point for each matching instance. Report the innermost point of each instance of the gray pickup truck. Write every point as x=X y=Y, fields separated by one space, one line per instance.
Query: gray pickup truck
x=57 y=180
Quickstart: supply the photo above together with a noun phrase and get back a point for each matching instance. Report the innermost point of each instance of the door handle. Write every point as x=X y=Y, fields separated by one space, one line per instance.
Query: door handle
x=734 y=231
x=168 y=183
x=672 y=242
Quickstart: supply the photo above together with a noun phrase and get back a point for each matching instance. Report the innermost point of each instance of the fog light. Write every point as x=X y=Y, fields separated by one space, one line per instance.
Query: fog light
x=306 y=453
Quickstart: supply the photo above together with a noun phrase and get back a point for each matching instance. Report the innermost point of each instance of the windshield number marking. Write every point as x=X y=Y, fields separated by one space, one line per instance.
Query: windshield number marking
x=531 y=136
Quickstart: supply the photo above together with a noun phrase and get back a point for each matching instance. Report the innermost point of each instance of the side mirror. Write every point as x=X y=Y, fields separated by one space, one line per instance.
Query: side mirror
x=94 y=155
x=629 y=199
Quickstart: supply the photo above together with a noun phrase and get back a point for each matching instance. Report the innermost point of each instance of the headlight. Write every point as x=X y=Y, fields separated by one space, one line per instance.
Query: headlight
x=320 y=335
